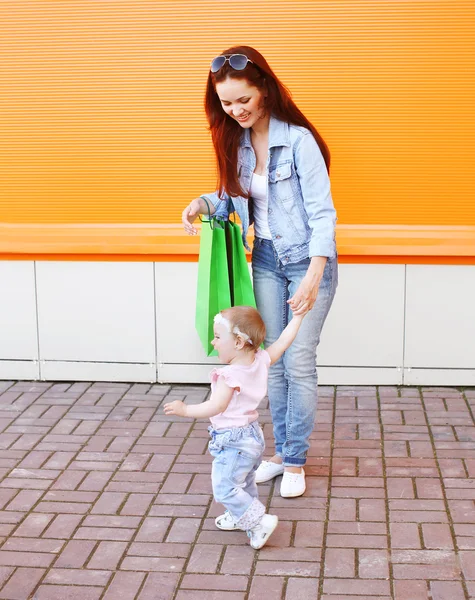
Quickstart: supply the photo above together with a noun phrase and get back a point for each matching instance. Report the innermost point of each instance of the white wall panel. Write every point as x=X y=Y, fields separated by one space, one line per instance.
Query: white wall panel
x=364 y=327
x=177 y=340
x=100 y=321
x=194 y=373
x=441 y=377
x=19 y=369
x=18 y=326
x=365 y=324
x=96 y=311
x=97 y=371
x=440 y=316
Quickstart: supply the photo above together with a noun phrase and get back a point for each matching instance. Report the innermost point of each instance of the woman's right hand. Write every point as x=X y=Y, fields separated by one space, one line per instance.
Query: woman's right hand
x=189 y=215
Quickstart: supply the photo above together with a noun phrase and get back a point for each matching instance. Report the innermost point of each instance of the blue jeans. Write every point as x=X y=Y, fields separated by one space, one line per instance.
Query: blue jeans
x=237 y=453
x=292 y=379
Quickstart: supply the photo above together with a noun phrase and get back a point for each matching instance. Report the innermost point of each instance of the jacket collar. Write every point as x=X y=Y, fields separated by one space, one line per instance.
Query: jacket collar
x=279 y=134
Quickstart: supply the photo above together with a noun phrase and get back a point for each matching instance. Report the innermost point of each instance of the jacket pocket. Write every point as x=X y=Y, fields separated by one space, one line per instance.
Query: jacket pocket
x=280 y=180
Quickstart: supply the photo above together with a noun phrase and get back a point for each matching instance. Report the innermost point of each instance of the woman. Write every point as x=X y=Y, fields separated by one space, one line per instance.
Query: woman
x=273 y=170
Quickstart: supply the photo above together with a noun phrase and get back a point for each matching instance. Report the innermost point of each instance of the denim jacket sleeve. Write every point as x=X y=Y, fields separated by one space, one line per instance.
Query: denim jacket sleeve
x=221 y=205
x=318 y=203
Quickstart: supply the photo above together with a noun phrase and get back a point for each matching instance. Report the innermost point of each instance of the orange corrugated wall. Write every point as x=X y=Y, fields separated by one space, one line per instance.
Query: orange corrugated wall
x=101 y=117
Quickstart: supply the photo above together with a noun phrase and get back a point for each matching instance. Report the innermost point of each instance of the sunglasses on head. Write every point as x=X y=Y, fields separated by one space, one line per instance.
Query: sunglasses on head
x=237 y=61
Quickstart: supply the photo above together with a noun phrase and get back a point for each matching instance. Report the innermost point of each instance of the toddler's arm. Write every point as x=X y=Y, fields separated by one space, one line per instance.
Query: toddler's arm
x=217 y=404
x=285 y=339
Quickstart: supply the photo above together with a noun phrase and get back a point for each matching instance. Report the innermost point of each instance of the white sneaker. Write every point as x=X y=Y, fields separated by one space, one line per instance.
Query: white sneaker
x=267 y=470
x=293 y=484
x=259 y=534
x=225 y=522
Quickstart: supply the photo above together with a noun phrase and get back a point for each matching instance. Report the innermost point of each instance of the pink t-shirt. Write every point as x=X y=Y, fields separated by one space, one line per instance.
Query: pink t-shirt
x=252 y=383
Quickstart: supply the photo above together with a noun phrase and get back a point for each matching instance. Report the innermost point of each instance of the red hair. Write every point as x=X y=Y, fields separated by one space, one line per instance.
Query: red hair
x=249 y=321
x=226 y=132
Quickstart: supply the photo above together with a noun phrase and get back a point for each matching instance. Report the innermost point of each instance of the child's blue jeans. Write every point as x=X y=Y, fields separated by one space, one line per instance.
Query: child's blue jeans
x=237 y=453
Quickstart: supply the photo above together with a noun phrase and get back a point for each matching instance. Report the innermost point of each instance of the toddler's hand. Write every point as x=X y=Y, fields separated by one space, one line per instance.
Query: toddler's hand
x=177 y=407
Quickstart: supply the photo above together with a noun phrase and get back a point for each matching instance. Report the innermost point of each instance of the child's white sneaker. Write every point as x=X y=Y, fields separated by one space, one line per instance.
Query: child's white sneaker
x=261 y=532
x=293 y=484
x=225 y=522
x=267 y=470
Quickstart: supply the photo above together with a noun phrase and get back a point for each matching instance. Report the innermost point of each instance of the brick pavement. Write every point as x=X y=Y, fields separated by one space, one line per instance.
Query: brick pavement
x=103 y=497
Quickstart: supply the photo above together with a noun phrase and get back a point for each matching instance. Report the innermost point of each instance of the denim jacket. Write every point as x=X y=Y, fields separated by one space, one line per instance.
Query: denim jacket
x=301 y=214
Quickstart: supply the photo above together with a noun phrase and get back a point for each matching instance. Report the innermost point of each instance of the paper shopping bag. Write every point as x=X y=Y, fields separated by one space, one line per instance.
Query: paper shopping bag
x=213 y=290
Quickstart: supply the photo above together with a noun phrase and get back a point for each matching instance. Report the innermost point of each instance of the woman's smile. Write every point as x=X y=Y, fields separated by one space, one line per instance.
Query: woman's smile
x=243 y=118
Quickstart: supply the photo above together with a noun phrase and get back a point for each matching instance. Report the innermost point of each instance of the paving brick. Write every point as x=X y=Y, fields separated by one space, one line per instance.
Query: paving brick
x=90 y=484
x=5 y=572
x=411 y=590
x=147 y=563
x=77 y=577
x=22 y=584
x=75 y=554
x=109 y=503
x=176 y=483
x=110 y=521
x=79 y=508
x=238 y=560
x=301 y=569
x=356 y=587
x=373 y=564
x=308 y=534
x=153 y=529
x=266 y=587
x=437 y=535
x=206 y=595
x=214 y=582
x=25 y=500
x=33 y=545
x=183 y=530
x=468 y=564
x=444 y=590
x=124 y=586
x=162 y=550
x=357 y=541
x=274 y=553
x=340 y=562
x=63 y=526
x=137 y=504
x=25 y=559
x=372 y=510
x=95 y=481
x=62 y=592
x=343 y=509
x=405 y=535
x=301 y=589
x=107 y=556
x=205 y=559
x=159 y=586
x=104 y=533
x=33 y=525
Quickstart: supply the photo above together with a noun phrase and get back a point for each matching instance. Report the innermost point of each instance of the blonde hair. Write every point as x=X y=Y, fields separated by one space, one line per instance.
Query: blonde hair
x=248 y=320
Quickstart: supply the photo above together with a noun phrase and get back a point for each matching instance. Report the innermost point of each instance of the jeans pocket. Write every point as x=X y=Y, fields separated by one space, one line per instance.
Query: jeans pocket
x=243 y=464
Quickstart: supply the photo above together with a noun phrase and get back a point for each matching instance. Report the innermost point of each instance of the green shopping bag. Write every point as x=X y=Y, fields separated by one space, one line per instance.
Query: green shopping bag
x=213 y=293
x=242 y=293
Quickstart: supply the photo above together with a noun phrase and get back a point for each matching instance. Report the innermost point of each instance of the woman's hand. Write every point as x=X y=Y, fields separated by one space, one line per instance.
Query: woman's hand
x=305 y=296
x=177 y=407
x=189 y=215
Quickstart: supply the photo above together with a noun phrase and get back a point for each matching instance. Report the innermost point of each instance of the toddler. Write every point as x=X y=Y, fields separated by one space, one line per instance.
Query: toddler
x=237 y=441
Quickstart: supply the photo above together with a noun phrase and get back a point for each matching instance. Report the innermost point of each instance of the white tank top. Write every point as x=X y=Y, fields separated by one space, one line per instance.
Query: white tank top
x=258 y=192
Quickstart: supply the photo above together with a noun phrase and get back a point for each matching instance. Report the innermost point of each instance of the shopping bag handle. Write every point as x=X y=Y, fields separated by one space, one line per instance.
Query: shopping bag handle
x=211 y=220
x=216 y=221
x=207 y=205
